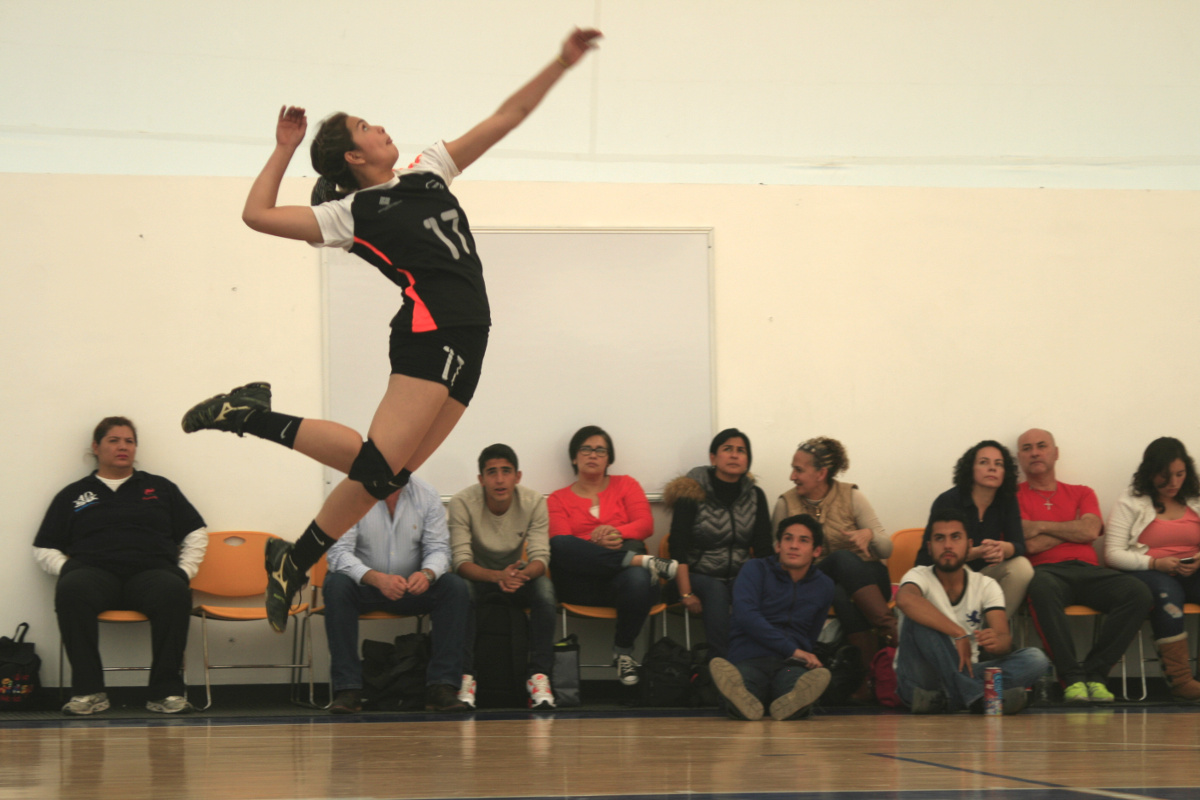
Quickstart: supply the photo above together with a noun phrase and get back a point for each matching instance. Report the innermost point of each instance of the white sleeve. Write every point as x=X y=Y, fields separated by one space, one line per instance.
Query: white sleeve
x=993 y=595
x=336 y=222
x=50 y=559
x=436 y=158
x=192 y=551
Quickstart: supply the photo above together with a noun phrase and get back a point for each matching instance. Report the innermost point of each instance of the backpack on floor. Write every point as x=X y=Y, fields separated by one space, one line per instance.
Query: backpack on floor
x=501 y=654
x=394 y=672
x=883 y=675
x=19 y=666
x=846 y=672
x=666 y=674
x=704 y=691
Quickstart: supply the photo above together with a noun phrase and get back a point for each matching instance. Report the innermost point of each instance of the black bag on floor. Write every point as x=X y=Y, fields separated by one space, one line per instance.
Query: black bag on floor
x=704 y=691
x=19 y=666
x=846 y=672
x=501 y=654
x=565 y=680
x=666 y=674
x=394 y=672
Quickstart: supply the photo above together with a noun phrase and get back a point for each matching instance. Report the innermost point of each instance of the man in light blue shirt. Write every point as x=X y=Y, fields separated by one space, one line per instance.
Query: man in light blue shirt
x=397 y=559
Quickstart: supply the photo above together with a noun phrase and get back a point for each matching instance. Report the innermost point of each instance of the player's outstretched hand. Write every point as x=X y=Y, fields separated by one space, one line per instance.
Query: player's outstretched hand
x=578 y=43
x=289 y=130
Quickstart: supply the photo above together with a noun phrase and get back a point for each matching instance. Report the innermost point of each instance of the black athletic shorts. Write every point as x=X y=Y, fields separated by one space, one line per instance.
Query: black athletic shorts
x=452 y=357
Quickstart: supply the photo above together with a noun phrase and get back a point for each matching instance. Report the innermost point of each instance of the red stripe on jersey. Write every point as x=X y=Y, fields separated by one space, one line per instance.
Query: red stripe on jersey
x=422 y=319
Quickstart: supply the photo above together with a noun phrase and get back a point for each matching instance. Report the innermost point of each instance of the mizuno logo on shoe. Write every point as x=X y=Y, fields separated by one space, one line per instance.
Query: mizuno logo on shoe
x=226 y=408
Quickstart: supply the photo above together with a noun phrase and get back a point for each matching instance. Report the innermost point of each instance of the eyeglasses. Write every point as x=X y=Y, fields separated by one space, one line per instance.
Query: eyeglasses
x=587 y=451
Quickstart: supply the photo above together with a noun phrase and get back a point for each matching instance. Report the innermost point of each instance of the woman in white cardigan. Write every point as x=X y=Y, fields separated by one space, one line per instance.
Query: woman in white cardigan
x=1153 y=532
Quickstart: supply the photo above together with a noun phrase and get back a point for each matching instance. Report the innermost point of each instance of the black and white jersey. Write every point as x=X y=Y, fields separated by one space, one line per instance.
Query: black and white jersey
x=413 y=230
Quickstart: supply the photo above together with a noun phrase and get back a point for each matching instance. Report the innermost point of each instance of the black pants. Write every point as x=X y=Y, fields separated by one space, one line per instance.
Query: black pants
x=850 y=573
x=1123 y=599
x=161 y=594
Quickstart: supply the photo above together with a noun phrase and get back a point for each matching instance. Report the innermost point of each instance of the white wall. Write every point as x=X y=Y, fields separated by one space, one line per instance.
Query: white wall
x=908 y=320
x=1087 y=93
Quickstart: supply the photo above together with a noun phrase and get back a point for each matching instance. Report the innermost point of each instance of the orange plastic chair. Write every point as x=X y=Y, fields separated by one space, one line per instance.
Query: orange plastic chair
x=906 y=543
x=233 y=569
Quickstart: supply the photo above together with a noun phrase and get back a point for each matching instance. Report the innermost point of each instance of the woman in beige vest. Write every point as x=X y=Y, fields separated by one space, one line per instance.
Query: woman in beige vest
x=854 y=544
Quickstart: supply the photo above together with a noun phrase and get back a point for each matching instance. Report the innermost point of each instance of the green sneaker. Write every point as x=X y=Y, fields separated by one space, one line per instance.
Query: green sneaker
x=228 y=412
x=1099 y=692
x=1077 y=693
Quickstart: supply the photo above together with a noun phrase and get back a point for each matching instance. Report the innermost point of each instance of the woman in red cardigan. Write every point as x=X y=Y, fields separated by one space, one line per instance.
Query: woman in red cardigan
x=598 y=528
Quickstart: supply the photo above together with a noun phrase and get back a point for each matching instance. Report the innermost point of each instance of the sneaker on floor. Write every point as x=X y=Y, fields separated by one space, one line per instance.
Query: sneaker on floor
x=466 y=692
x=928 y=701
x=540 y=696
x=347 y=701
x=175 y=704
x=1077 y=692
x=664 y=568
x=1014 y=701
x=808 y=688
x=443 y=697
x=1099 y=693
x=284 y=579
x=627 y=669
x=82 y=705
x=228 y=412
x=731 y=686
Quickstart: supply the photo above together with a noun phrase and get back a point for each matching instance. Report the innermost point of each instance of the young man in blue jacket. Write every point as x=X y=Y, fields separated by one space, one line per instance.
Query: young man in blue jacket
x=779 y=606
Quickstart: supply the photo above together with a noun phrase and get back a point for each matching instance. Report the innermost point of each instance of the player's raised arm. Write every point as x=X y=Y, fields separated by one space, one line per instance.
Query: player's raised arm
x=477 y=141
x=260 y=211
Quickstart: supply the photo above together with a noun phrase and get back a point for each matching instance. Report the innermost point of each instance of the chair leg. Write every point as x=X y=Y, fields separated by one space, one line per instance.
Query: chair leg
x=687 y=629
x=207 y=678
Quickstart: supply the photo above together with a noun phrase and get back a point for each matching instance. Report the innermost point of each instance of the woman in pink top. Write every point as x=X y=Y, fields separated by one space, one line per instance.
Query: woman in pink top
x=1154 y=533
x=598 y=528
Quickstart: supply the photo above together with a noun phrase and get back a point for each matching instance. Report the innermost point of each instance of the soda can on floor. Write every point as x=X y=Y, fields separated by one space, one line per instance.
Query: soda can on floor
x=993 y=691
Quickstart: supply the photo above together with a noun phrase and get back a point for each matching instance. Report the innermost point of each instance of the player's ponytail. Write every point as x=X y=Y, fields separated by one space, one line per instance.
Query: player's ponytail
x=328 y=151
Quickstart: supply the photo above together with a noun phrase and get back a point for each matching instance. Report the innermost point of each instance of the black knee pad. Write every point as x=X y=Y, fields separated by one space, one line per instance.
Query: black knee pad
x=372 y=470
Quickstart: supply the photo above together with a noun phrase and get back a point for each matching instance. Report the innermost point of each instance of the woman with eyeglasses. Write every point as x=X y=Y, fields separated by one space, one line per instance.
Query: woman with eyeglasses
x=598 y=530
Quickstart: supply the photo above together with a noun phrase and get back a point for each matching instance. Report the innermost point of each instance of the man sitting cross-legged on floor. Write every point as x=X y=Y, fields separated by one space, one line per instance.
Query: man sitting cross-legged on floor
x=780 y=604
x=950 y=615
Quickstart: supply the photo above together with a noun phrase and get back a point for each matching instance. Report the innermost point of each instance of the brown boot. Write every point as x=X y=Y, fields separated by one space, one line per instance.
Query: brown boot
x=871 y=603
x=867 y=644
x=1175 y=666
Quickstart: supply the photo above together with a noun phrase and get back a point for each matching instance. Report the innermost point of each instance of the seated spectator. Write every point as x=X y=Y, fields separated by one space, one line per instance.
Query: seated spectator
x=985 y=491
x=855 y=542
x=779 y=606
x=1154 y=534
x=1061 y=521
x=499 y=543
x=950 y=616
x=122 y=539
x=718 y=517
x=397 y=559
x=598 y=528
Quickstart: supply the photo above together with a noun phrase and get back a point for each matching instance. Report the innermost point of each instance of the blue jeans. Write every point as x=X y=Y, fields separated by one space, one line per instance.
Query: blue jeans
x=447 y=602
x=1170 y=593
x=767 y=678
x=538 y=596
x=588 y=574
x=716 y=602
x=928 y=659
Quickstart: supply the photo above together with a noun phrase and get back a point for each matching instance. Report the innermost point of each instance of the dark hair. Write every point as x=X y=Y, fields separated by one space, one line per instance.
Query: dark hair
x=1156 y=461
x=964 y=470
x=581 y=436
x=948 y=514
x=108 y=423
x=497 y=451
x=826 y=452
x=808 y=521
x=328 y=152
x=724 y=436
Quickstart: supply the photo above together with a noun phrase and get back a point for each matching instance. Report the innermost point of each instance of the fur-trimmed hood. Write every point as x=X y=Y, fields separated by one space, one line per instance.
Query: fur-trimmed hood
x=695 y=486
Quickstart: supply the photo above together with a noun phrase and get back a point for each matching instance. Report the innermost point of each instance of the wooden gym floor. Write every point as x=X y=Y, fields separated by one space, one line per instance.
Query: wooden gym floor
x=1128 y=751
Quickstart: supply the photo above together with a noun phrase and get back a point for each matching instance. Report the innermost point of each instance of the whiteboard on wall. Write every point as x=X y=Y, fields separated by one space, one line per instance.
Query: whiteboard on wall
x=611 y=327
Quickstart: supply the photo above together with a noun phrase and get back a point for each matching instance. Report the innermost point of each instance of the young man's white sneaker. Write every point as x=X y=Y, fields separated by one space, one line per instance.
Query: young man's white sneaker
x=175 y=704
x=627 y=669
x=540 y=696
x=731 y=686
x=82 y=705
x=466 y=692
